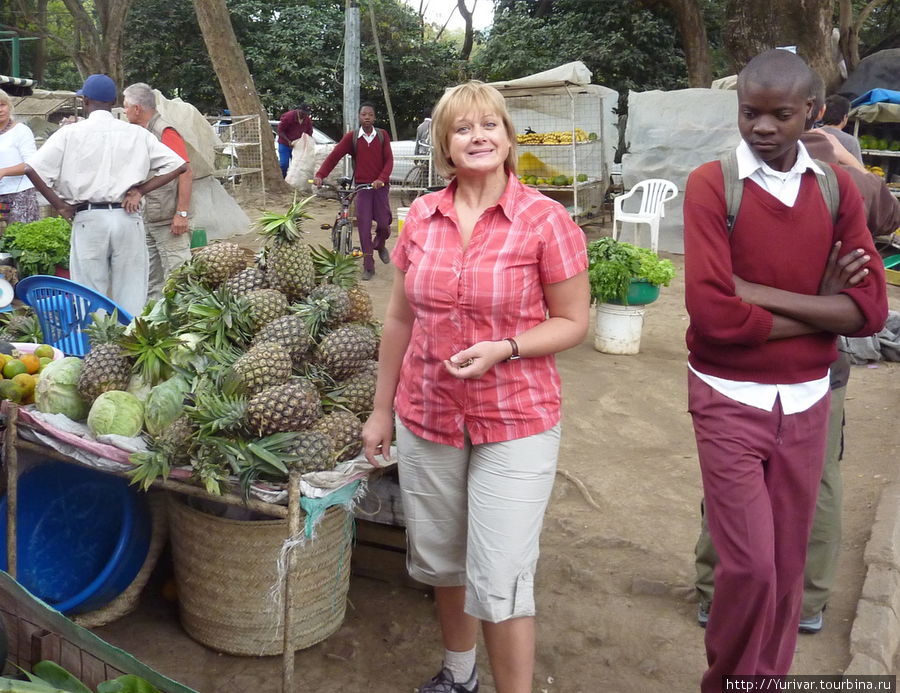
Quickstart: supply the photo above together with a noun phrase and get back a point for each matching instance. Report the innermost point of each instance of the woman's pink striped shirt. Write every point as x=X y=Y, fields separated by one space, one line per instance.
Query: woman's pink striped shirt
x=491 y=290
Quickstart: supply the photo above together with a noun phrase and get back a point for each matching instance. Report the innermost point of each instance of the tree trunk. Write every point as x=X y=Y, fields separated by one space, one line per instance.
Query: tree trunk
x=750 y=28
x=693 y=40
x=469 y=40
x=228 y=61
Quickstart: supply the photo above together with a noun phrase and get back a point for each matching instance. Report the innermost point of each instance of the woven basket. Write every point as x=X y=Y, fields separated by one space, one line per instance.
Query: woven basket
x=225 y=571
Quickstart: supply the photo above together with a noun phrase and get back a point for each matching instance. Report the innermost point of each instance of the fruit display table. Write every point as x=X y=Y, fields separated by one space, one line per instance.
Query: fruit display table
x=14 y=443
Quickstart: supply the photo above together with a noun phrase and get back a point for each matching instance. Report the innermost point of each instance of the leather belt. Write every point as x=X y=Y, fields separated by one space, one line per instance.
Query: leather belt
x=97 y=205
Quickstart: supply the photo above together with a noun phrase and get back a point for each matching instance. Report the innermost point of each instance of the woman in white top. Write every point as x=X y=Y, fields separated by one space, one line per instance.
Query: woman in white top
x=16 y=144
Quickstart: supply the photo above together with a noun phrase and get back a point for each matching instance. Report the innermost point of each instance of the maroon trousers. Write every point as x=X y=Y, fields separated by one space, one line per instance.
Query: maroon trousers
x=761 y=473
x=373 y=205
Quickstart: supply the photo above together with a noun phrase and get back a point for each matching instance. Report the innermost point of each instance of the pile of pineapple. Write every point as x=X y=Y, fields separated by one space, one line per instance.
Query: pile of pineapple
x=555 y=137
x=276 y=360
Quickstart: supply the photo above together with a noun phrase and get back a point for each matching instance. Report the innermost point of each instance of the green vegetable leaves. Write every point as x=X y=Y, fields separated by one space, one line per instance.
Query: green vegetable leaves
x=38 y=247
x=612 y=265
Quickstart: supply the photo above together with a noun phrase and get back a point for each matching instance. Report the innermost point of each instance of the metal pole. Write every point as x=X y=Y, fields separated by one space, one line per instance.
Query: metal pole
x=287 y=679
x=11 y=458
x=384 y=84
x=351 y=71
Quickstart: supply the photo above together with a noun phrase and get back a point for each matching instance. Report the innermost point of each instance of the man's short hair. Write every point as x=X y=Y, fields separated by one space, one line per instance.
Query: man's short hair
x=366 y=104
x=140 y=94
x=778 y=68
x=836 y=109
x=817 y=93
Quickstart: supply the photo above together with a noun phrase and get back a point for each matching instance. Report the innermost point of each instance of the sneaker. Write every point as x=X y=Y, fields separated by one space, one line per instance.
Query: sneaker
x=702 y=614
x=367 y=275
x=444 y=683
x=384 y=255
x=813 y=624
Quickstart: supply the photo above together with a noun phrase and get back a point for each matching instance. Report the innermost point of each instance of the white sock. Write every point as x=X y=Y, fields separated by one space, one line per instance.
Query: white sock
x=460 y=664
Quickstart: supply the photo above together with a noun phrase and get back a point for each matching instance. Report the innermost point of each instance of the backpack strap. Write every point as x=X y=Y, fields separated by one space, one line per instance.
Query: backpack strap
x=734 y=188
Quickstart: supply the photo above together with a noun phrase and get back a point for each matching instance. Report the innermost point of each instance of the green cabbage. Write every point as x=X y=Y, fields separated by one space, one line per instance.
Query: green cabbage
x=57 y=389
x=165 y=404
x=116 y=412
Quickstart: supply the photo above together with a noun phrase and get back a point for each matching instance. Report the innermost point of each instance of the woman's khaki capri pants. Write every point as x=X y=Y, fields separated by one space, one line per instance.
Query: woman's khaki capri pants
x=474 y=517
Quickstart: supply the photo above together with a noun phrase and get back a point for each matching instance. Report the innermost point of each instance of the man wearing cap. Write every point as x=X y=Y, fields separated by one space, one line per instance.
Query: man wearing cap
x=95 y=172
x=292 y=125
x=165 y=209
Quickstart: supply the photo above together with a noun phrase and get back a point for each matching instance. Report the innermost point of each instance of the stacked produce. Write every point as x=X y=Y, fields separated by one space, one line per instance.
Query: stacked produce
x=555 y=137
x=879 y=143
x=238 y=371
x=877 y=170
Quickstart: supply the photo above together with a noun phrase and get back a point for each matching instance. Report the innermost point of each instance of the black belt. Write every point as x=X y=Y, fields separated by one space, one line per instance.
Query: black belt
x=97 y=205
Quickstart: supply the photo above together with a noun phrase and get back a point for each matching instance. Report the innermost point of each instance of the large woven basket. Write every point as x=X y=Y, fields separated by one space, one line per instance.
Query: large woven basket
x=225 y=571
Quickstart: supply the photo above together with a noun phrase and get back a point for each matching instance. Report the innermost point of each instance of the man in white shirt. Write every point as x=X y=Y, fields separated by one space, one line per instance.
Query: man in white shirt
x=95 y=172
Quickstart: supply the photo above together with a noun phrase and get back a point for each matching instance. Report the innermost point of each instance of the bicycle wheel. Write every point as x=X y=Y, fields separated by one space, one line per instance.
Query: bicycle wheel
x=342 y=237
x=414 y=184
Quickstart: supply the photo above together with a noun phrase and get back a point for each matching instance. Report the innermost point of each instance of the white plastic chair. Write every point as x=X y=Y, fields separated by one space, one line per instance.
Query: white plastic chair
x=655 y=192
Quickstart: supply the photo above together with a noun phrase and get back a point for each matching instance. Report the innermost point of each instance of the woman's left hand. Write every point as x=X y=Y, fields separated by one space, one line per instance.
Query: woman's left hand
x=475 y=361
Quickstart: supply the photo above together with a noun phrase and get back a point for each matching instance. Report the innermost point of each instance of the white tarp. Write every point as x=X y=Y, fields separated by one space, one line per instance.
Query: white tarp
x=669 y=134
x=570 y=73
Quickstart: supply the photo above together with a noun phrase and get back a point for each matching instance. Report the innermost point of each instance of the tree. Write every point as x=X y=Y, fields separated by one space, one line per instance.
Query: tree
x=850 y=28
x=694 y=41
x=234 y=77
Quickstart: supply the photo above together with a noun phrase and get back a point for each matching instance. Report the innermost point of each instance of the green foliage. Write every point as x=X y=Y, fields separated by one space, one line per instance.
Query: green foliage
x=39 y=246
x=49 y=677
x=613 y=264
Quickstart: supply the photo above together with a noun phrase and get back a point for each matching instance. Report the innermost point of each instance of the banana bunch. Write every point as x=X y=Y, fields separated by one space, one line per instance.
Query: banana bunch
x=555 y=137
x=877 y=170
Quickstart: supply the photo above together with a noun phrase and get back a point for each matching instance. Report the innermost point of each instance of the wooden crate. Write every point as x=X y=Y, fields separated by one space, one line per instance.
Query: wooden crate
x=380 y=553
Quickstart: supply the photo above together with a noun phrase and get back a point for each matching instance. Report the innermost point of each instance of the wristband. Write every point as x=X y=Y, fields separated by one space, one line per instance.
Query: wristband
x=514 y=356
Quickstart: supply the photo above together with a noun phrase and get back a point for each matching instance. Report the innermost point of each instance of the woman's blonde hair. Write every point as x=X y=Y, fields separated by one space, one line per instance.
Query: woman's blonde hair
x=4 y=98
x=460 y=100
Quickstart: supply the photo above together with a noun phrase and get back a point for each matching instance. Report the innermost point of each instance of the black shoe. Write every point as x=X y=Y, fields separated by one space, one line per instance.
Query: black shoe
x=384 y=255
x=445 y=683
x=367 y=275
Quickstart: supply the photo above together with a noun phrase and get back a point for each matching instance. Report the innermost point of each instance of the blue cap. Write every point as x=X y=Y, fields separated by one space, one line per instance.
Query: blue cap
x=99 y=88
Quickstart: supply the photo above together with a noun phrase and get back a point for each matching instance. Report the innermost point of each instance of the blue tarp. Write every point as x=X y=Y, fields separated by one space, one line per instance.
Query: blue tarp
x=877 y=96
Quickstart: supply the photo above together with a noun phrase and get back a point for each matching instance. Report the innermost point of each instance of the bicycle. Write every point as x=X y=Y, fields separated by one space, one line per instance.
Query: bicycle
x=342 y=229
x=417 y=180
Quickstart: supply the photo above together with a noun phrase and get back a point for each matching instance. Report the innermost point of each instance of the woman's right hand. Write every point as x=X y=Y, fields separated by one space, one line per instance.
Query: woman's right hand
x=377 y=434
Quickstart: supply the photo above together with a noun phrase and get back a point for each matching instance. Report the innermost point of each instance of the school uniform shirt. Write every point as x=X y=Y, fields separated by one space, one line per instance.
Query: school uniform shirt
x=99 y=158
x=490 y=290
x=374 y=159
x=781 y=238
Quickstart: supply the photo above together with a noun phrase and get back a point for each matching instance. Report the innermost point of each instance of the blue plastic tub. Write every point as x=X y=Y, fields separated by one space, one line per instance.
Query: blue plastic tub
x=82 y=535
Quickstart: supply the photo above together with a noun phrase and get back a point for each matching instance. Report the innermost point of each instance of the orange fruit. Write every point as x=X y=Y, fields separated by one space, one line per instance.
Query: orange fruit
x=44 y=350
x=13 y=367
x=11 y=391
x=32 y=363
x=26 y=382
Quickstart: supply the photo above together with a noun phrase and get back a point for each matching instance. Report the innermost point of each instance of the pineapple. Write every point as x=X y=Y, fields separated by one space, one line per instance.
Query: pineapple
x=360 y=305
x=345 y=431
x=343 y=271
x=292 y=406
x=357 y=393
x=289 y=266
x=290 y=332
x=106 y=366
x=245 y=281
x=345 y=350
x=218 y=262
x=315 y=451
x=326 y=306
x=264 y=365
x=266 y=305
x=218 y=315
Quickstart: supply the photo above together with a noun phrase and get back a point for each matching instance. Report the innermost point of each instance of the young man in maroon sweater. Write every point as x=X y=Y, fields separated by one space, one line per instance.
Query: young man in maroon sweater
x=373 y=163
x=766 y=301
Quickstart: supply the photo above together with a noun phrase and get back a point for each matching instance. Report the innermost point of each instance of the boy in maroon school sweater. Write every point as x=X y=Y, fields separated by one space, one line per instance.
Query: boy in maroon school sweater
x=372 y=163
x=766 y=300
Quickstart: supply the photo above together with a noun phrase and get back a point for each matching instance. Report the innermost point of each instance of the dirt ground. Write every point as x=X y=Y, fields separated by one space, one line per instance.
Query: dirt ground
x=616 y=606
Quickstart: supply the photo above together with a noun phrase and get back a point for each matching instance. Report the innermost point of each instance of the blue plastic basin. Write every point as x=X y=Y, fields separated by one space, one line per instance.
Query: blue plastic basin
x=82 y=535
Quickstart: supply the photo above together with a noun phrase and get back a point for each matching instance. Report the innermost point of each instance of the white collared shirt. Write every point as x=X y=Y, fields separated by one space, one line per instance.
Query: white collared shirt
x=784 y=186
x=368 y=137
x=99 y=158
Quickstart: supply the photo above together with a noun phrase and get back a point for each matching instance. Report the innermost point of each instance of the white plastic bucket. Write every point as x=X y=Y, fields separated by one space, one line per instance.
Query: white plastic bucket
x=401 y=217
x=618 y=328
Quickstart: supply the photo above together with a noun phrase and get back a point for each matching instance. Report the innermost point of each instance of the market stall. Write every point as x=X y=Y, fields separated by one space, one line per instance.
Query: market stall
x=876 y=124
x=566 y=135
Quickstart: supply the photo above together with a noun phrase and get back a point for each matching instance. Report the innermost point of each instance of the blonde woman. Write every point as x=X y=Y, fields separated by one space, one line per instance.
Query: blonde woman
x=16 y=144
x=490 y=283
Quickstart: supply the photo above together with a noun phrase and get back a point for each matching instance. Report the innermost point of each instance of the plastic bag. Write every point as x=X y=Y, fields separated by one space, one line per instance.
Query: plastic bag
x=303 y=161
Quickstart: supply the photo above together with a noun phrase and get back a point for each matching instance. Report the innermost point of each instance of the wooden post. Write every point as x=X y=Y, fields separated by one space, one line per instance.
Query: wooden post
x=384 y=84
x=12 y=486
x=294 y=513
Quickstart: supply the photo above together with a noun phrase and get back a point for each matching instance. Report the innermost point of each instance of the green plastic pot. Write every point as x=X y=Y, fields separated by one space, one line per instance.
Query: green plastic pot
x=640 y=292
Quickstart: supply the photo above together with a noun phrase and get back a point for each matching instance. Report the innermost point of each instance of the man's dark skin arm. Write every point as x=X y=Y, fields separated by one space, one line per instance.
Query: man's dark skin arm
x=132 y=200
x=830 y=311
x=65 y=210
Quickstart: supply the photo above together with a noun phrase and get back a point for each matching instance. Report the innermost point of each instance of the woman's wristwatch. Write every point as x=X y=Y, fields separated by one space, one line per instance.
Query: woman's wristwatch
x=515 y=349
x=181 y=213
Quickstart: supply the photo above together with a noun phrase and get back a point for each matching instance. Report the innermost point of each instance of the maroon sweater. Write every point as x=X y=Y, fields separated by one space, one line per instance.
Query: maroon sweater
x=778 y=246
x=373 y=161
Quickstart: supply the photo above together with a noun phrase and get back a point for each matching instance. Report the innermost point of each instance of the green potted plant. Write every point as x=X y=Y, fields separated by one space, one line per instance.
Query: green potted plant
x=39 y=247
x=623 y=279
